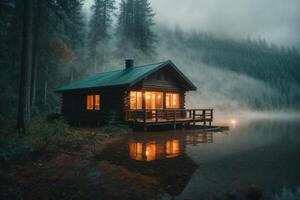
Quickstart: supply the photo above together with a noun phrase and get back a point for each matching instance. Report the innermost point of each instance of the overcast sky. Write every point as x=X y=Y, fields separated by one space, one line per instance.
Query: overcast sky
x=277 y=21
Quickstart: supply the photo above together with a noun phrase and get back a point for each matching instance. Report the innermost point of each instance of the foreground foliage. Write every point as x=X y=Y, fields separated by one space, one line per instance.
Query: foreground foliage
x=50 y=137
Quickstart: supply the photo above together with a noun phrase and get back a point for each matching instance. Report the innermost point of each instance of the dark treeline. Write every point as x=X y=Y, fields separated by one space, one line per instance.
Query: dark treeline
x=66 y=45
x=51 y=42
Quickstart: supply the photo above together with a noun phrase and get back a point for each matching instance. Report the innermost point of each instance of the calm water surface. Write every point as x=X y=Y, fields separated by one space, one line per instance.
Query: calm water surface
x=192 y=164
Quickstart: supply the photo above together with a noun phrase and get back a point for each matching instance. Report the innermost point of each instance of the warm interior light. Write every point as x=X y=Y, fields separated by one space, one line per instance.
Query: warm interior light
x=93 y=102
x=90 y=102
x=154 y=100
x=97 y=102
x=172 y=100
x=135 y=100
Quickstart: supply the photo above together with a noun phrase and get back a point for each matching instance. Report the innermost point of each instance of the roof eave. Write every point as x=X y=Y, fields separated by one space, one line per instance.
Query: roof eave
x=89 y=88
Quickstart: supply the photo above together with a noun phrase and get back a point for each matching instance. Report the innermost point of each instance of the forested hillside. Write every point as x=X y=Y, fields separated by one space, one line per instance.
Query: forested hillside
x=250 y=73
x=67 y=45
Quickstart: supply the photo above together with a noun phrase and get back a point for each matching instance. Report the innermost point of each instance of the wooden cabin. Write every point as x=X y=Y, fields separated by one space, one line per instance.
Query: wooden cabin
x=145 y=95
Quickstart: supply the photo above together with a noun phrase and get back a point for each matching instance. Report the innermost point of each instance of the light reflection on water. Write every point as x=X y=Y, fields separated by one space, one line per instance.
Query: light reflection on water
x=193 y=164
x=158 y=146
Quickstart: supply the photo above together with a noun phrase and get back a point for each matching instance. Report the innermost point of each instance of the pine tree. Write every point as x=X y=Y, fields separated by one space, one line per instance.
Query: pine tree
x=144 y=36
x=99 y=27
x=134 y=31
x=126 y=25
x=75 y=36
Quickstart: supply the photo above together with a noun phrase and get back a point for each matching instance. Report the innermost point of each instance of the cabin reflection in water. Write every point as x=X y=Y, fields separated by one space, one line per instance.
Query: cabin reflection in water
x=159 y=155
x=199 y=138
x=164 y=146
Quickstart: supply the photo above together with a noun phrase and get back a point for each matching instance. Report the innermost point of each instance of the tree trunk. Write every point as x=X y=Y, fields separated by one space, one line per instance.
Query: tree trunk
x=46 y=86
x=23 y=122
x=36 y=29
x=33 y=82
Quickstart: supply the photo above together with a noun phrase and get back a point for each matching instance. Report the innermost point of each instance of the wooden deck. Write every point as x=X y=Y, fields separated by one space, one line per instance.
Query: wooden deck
x=151 y=117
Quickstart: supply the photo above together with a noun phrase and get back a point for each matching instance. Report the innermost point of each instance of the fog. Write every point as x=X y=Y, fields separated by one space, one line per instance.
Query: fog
x=277 y=21
x=226 y=90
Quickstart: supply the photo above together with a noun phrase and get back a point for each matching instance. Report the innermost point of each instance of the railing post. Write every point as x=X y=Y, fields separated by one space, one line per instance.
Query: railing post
x=174 y=112
x=204 y=114
x=156 y=118
x=174 y=119
x=166 y=111
x=211 y=117
x=145 y=118
x=194 y=123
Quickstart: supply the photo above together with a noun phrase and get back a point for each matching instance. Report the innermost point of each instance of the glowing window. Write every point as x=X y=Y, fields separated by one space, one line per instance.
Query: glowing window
x=172 y=100
x=97 y=102
x=93 y=102
x=135 y=100
x=90 y=102
x=154 y=100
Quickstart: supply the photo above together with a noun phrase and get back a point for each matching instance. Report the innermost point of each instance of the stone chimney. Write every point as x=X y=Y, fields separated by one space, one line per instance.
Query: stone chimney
x=129 y=63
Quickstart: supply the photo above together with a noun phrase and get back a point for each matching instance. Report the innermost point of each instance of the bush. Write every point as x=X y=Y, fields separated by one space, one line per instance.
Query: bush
x=50 y=136
x=14 y=146
x=42 y=137
x=115 y=129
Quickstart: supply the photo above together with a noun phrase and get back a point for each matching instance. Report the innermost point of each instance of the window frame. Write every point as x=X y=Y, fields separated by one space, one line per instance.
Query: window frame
x=155 y=99
x=95 y=105
x=172 y=94
x=136 y=100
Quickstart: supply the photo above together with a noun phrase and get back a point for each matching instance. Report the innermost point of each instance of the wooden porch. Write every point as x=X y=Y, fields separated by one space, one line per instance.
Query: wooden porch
x=153 y=117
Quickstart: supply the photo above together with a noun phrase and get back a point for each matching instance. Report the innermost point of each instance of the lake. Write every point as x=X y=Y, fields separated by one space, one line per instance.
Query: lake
x=253 y=155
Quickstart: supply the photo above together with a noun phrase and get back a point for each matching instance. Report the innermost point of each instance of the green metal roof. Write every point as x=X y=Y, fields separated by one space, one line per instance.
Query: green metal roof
x=123 y=77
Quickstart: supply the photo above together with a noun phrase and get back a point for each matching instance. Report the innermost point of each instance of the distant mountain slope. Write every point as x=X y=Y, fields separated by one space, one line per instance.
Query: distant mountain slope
x=245 y=73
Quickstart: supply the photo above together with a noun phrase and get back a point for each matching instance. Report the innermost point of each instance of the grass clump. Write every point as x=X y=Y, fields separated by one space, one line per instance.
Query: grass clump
x=43 y=137
x=14 y=146
x=114 y=129
x=49 y=136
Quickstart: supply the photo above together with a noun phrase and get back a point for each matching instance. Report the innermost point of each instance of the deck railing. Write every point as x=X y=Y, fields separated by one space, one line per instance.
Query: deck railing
x=169 y=115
